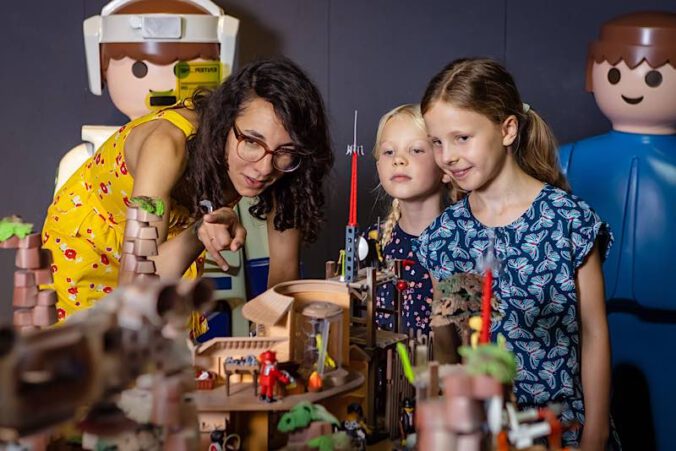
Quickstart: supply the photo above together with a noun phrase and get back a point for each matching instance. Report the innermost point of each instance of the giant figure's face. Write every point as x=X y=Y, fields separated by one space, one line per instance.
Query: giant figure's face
x=640 y=100
x=138 y=87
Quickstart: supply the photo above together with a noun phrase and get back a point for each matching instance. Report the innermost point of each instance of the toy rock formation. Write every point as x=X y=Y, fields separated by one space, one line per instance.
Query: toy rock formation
x=33 y=307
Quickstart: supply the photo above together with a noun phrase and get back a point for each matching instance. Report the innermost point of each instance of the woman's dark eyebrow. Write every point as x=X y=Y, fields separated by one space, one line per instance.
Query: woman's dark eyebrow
x=255 y=134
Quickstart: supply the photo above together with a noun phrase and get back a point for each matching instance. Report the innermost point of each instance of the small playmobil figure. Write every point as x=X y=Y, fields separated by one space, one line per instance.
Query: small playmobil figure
x=407 y=420
x=270 y=375
x=221 y=442
x=355 y=426
x=217 y=436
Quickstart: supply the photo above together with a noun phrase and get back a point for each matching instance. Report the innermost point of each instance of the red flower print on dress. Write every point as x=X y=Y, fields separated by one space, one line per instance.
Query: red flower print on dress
x=72 y=290
x=103 y=187
x=60 y=314
x=123 y=168
x=125 y=199
x=54 y=268
x=104 y=259
x=107 y=289
x=70 y=254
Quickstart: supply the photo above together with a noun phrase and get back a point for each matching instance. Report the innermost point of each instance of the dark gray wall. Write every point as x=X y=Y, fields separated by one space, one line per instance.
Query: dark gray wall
x=365 y=55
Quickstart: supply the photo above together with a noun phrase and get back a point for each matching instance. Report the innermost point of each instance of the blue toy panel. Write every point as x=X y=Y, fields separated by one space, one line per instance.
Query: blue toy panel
x=257 y=270
x=220 y=323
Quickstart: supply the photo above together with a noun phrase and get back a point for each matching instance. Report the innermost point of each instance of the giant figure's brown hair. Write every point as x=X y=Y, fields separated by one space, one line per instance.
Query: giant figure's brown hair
x=634 y=38
x=160 y=53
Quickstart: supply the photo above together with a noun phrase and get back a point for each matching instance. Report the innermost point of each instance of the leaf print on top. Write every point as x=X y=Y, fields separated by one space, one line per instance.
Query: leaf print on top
x=540 y=253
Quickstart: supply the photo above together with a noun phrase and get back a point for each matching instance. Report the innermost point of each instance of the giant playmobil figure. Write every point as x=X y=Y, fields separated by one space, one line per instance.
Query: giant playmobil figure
x=151 y=54
x=629 y=176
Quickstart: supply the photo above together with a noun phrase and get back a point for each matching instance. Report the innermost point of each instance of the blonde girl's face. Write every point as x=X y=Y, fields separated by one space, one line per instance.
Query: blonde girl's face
x=468 y=146
x=406 y=166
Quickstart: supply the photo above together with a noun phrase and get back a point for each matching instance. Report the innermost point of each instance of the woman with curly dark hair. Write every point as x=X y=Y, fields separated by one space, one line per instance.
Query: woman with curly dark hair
x=262 y=134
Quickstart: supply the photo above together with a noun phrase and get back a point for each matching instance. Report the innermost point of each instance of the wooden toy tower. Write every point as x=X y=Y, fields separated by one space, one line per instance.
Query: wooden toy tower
x=374 y=348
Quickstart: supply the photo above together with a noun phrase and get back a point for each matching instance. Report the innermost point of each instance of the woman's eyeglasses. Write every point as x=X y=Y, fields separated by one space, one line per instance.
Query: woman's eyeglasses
x=285 y=158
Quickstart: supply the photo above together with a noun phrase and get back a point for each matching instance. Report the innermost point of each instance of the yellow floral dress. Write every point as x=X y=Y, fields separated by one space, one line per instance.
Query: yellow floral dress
x=84 y=227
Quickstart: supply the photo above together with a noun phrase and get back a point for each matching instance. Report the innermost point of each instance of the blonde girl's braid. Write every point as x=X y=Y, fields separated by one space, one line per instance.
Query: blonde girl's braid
x=392 y=219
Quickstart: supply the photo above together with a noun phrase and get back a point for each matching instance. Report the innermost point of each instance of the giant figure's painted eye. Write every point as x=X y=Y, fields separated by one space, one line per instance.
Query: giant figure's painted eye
x=653 y=78
x=139 y=69
x=614 y=76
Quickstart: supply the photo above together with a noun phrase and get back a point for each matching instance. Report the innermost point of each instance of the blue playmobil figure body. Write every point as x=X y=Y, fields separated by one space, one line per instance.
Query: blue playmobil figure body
x=409 y=174
x=550 y=288
x=629 y=176
x=633 y=187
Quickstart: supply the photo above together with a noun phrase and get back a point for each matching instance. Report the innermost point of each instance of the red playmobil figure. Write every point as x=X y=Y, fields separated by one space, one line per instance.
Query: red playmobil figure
x=270 y=375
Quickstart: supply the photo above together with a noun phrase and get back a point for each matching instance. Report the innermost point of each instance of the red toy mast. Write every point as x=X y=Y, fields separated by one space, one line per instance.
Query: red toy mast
x=354 y=150
x=489 y=265
x=352 y=228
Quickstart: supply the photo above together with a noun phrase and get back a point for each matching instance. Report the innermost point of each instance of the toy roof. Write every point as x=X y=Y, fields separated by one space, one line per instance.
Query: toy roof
x=272 y=306
x=268 y=308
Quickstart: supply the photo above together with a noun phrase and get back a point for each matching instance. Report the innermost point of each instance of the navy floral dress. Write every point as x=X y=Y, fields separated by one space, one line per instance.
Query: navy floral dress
x=539 y=254
x=416 y=298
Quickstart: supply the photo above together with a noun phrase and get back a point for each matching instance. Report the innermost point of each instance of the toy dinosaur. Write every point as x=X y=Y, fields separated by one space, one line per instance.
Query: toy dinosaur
x=14 y=226
x=151 y=205
x=302 y=414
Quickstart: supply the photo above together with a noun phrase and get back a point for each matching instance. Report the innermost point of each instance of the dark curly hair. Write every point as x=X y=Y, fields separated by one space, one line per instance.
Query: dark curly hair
x=296 y=197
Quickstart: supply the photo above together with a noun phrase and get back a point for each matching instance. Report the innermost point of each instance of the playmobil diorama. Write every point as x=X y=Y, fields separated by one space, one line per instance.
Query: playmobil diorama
x=315 y=372
x=306 y=364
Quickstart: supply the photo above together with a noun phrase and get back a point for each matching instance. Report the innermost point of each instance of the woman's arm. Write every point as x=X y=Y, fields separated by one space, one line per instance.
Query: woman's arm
x=284 y=254
x=595 y=354
x=157 y=163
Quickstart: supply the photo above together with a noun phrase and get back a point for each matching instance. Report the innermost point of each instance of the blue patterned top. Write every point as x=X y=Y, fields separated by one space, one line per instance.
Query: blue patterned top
x=539 y=253
x=416 y=298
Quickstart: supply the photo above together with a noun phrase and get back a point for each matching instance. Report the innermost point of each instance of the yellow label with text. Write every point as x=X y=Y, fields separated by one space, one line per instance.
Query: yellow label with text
x=193 y=75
